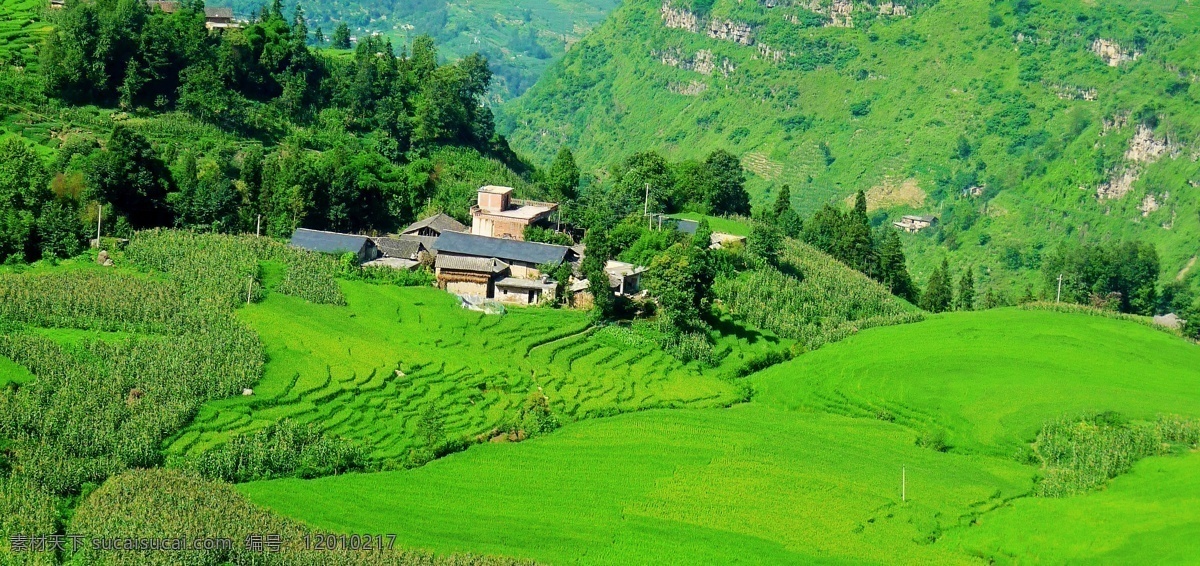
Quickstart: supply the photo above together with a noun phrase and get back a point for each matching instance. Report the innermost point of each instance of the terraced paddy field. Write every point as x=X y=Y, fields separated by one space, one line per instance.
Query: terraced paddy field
x=367 y=371
x=21 y=28
x=809 y=472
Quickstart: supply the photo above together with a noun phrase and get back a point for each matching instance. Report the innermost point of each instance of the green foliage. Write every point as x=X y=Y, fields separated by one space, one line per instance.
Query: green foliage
x=341 y=36
x=281 y=449
x=1122 y=276
x=547 y=236
x=562 y=178
x=964 y=300
x=764 y=242
x=25 y=509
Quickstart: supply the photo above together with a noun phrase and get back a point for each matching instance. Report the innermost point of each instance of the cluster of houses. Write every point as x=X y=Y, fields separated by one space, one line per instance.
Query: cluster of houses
x=489 y=260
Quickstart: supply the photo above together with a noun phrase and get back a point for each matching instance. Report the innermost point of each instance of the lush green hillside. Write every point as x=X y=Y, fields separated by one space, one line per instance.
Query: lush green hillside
x=1003 y=118
x=990 y=379
x=521 y=38
x=808 y=472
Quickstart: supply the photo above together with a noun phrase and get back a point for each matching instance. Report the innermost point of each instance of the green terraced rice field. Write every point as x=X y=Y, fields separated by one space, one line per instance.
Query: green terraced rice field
x=21 y=27
x=808 y=472
x=368 y=370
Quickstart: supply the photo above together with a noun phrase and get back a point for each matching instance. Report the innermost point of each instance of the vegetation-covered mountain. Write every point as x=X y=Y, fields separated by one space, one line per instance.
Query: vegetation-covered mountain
x=521 y=38
x=1020 y=124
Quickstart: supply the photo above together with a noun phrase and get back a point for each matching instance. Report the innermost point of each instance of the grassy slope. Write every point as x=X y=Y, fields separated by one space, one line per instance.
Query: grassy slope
x=780 y=481
x=749 y=484
x=336 y=366
x=990 y=379
x=462 y=28
x=1145 y=517
x=929 y=78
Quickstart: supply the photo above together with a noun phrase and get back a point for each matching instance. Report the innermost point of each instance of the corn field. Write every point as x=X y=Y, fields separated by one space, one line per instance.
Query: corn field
x=814 y=298
x=1081 y=454
x=170 y=503
x=217 y=269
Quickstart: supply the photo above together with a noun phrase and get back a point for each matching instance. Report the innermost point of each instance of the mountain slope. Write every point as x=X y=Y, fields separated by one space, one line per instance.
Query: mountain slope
x=521 y=38
x=1020 y=124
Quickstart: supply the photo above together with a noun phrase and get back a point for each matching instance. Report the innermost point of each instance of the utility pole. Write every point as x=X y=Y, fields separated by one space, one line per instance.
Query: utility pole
x=99 y=216
x=1058 y=297
x=646 y=209
x=249 y=289
x=258 y=229
x=903 y=485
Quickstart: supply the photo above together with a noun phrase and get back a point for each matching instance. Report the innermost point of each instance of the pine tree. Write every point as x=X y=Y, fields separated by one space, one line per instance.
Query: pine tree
x=341 y=36
x=893 y=268
x=938 y=296
x=859 y=249
x=966 y=291
x=784 y=216
x=783 y=202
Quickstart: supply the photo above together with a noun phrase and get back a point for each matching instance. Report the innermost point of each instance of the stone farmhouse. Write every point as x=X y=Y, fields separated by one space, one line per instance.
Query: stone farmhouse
x=500 y=269
x=497 y=215
x=912 y=223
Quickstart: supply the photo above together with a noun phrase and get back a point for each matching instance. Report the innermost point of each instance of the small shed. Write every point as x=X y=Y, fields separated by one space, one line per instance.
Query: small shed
x=335 y=243
x=519 y=291
x=624 y=278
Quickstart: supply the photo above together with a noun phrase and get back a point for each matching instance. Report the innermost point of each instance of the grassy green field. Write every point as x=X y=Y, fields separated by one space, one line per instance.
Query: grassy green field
x=368 y=370
x=1146 y=517
x=990 y=379
x=11 y=372
x=749 y=484
x=808 y=472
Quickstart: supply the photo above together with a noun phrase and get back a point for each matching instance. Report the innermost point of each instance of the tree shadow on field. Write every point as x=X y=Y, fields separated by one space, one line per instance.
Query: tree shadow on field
x=728 y=326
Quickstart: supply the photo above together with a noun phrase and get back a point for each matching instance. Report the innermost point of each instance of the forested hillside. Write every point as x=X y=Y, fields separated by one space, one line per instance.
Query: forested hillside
x=1020 y=124
x=521 y=38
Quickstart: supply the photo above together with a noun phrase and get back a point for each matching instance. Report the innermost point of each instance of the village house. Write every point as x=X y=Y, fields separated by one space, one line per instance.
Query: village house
x=433 y=226
x=497 y=268
x=214 y=18
x=334 y=243
x=912 y=223
x=401 y=252
x=624 y=278
x=496 y=214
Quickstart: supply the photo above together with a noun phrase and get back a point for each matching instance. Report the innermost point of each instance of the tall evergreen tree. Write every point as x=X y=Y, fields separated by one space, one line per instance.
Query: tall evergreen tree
x=893 y=268
x=938 y=295
x=784 y=216
x=858 y=246
x=727 y=191
x=596 y=255
x=562 y=178
x=966 y=291
x=341 y=36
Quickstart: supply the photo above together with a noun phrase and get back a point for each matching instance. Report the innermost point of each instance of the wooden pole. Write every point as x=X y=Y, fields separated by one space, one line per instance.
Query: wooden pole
x=1058 y=297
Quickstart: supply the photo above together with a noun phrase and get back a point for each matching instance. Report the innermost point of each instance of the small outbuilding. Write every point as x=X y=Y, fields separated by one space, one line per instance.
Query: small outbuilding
x=335 y=243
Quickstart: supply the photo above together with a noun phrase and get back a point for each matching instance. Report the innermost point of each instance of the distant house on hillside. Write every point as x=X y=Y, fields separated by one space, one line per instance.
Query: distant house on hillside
x=433 y=226
x=214 y=18
x=497 y=268
x=496 y=214
x=335 y=243
x=624 y=278
x=913 y=223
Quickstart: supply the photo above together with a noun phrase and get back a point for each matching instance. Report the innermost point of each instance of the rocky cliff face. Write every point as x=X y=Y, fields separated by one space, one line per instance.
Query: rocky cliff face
x=679 y=18
x=727 y=30
x=702 y=62
x=1113 y=53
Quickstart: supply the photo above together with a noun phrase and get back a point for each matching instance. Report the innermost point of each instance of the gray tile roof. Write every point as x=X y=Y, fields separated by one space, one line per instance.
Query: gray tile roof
x=403 y=248
x=328 y=242
x=517 y=283
x=469 y=263
x=501 y=248
x=439 y=222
